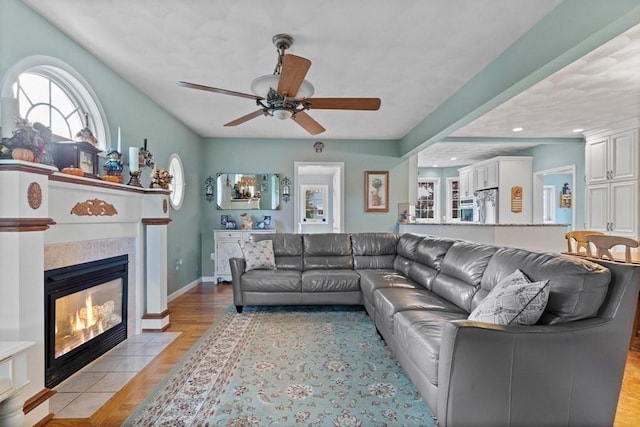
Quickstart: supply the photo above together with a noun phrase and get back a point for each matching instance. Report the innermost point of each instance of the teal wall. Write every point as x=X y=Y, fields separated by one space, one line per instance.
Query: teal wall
x=137 y=115
x=553 y=156
x=563 y=215
x=278 y=156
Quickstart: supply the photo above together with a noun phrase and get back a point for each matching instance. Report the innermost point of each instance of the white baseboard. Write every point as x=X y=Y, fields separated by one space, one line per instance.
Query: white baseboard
x=208 y=279
x=184 y=289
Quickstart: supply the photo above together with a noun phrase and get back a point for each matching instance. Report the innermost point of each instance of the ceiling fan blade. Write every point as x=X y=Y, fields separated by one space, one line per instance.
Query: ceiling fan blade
x=308 y=123
x=342 y=103
x=216 y=90
x=294 y=69
x=246 y=118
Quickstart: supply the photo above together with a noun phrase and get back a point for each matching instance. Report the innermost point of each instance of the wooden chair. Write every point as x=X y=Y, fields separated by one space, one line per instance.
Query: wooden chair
x=576 y=240
x=603 y=245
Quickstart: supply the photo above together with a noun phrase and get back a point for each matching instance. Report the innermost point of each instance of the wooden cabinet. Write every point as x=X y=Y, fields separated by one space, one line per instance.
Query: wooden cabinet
x=227 y=245
x=611 y=172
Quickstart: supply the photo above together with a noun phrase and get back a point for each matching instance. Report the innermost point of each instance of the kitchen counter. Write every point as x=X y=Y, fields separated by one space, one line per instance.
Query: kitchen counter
x=533 y=237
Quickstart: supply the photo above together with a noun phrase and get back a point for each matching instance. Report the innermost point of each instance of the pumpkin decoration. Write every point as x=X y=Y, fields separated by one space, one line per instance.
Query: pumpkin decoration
x=73 y=171
x=111 y=178
x=23 y=154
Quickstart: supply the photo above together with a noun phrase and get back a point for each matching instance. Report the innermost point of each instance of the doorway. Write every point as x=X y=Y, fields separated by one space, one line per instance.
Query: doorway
x=314 y=180
x=561 y=202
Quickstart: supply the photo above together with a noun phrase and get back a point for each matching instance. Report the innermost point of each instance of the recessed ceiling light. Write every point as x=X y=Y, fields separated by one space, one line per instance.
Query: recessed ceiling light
x=578 y=130
x=518 y=129
x=453 y=158
x=435 y=166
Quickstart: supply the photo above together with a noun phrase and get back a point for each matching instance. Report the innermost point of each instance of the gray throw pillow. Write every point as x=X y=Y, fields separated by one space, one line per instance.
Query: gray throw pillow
x=514 y=301
x=258 y=255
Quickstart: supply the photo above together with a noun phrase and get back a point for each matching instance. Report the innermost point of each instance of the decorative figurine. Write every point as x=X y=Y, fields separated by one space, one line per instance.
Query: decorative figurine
x=85 y=133
x=113 y=165
x=247 y=222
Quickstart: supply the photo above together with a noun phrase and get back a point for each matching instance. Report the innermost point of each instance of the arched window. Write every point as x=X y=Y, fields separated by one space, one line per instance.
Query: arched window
x=51 y=92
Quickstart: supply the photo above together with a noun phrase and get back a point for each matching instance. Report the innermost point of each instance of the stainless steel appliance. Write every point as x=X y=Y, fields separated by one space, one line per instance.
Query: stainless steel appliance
x=466 y=209
x=487 y=206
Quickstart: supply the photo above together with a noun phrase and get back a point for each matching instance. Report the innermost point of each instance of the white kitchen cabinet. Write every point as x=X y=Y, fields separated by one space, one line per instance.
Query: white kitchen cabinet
x=466 y=178
x=486 y=175
x=507 y=174
x=611 y=174
x=227 y=245
x=612 y=158
x=611 y=208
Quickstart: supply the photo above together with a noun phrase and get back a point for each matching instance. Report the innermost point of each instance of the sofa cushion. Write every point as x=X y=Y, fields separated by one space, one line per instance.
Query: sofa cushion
x=418 y=334
x=374 y=250
x=513 y=301
x=406 y=249
x=389 y=301
x=327 y=251
x=271 y=281
x=461 y=272
x=258 y=255
x=577 y=287
x=287 y=249
x=341 y=280
x=370 y=280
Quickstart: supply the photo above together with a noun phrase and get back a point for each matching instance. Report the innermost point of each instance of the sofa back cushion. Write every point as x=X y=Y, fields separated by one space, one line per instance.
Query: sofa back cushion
x=287 y=249
x=461 y=272
x=374 y=250
x=428 y=258
x=577 y=287
x=405 y=252
x=327 y=251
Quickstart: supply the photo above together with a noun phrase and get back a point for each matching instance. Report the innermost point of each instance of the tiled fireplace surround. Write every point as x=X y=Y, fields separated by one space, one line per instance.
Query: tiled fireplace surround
x=53 y=220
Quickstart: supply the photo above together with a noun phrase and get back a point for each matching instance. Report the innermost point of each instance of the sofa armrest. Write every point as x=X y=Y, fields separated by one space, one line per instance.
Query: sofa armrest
x=237 y=270
x=567 y=374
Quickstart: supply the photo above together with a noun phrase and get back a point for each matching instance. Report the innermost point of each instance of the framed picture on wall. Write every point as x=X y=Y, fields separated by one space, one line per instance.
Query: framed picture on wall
x=376 y=191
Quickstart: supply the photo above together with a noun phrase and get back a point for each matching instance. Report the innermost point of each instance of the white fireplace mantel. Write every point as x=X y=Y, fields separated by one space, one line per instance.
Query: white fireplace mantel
x=50 y=220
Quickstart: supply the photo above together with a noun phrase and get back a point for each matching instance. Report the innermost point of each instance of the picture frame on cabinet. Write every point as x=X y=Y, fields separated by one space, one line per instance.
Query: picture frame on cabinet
x=376 y=191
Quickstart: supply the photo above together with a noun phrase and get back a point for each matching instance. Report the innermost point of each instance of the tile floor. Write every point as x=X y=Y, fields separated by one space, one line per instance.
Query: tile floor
x=84 y=392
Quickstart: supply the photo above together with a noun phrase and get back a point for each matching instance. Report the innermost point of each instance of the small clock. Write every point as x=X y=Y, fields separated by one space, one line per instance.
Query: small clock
x=78 y=154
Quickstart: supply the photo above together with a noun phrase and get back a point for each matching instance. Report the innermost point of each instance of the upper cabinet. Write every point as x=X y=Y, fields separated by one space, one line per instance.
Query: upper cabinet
x=612 y=157
x=486 y=175
x=611 y=169
x=466 y=182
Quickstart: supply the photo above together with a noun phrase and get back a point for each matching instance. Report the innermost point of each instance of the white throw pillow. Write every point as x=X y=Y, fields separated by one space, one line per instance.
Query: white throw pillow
x=514 y=301
x=258 y=255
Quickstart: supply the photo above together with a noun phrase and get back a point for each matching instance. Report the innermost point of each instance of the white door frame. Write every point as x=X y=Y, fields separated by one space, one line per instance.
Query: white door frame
x=338 y=199
x=538 y=194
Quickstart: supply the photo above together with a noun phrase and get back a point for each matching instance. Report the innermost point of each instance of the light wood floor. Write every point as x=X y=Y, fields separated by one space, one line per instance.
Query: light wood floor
x=193 y=313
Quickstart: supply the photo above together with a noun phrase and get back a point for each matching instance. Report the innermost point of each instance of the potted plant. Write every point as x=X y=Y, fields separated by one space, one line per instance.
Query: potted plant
x=29 y=142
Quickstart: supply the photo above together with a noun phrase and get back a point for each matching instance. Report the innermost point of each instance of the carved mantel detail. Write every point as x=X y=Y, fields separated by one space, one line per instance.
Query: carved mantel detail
x=95 y=207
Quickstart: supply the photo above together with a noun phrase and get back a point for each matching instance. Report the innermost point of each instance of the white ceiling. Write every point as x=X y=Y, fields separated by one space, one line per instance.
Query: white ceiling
x=412 y=56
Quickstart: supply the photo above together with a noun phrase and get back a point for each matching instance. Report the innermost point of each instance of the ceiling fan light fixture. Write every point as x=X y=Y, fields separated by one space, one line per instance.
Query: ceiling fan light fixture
x=261 y=85
x=282 y=113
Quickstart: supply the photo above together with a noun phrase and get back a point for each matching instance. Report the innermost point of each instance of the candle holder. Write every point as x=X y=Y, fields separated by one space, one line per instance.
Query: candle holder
x=134 y=181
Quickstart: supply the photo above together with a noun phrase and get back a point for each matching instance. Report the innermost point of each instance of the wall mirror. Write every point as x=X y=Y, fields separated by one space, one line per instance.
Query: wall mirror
x=315 y=199
x=248 y=191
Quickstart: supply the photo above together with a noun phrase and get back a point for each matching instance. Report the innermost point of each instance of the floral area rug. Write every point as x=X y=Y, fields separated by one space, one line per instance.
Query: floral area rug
x=287 y=366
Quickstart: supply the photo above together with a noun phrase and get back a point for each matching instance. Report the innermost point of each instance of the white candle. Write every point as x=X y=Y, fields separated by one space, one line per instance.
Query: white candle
x=133 y=159
x=119 y=147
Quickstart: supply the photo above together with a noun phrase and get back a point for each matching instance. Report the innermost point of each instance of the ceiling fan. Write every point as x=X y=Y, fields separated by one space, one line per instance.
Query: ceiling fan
x=286 y=94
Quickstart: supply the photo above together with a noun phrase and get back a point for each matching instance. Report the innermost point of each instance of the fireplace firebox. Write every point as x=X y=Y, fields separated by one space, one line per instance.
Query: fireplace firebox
x=85 y=314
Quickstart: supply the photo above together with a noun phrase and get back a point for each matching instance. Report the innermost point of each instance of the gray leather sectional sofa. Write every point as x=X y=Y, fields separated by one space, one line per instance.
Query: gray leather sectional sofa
x=565 y=370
